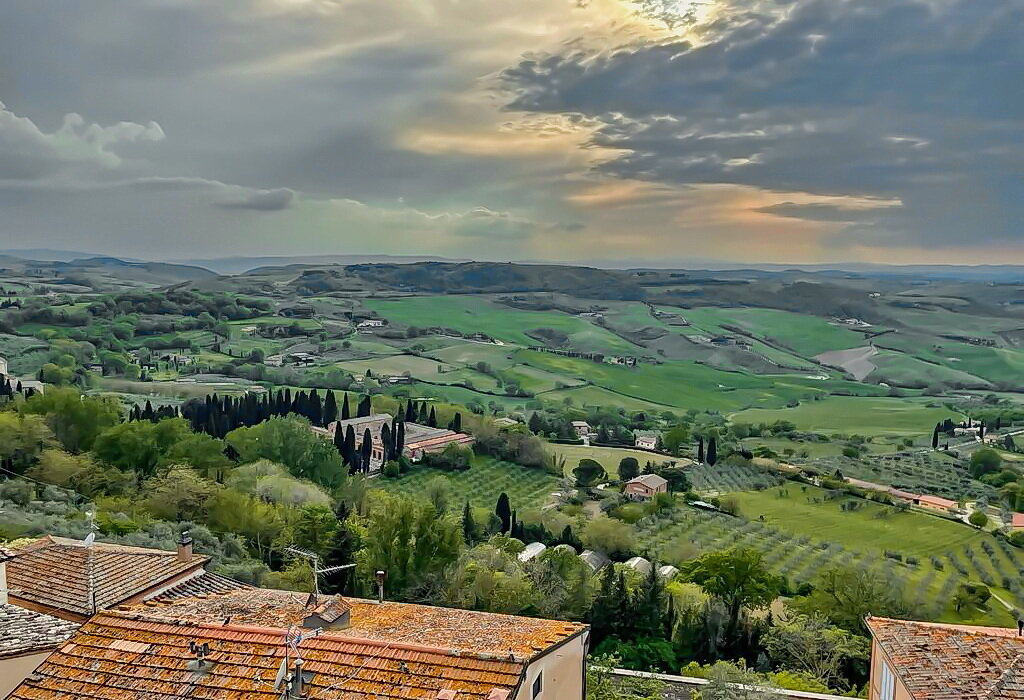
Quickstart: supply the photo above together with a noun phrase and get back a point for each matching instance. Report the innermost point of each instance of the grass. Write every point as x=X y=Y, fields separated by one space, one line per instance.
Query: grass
x=476 y=314
x=482 y=483
x=804 y=334
x=870 y=416
x=607 y=457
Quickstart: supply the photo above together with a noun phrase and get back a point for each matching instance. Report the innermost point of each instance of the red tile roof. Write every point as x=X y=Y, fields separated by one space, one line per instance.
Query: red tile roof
x=953 y=662
x=445 y=628
x=128 y=656
x=54 y=573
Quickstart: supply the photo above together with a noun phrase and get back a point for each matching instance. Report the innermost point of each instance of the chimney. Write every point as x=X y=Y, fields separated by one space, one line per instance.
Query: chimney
x=185 y=546
x=380 y=576
x=4 y=556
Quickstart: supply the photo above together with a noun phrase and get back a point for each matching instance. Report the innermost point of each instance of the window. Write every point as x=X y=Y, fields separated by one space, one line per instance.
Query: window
x=538 y=685
x=888 y=683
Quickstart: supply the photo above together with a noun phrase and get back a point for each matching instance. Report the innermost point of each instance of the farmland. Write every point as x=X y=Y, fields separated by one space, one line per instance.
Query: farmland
x=480 y=485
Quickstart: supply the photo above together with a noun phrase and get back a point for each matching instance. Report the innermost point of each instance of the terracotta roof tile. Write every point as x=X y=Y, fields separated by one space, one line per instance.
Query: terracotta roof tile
x=243 y=663
x=54 y=572
x=953 y=662
x=26 y=631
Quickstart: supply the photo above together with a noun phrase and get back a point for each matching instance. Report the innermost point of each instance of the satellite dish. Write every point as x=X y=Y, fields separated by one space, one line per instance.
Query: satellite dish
x=279 y=681
x=89 y=539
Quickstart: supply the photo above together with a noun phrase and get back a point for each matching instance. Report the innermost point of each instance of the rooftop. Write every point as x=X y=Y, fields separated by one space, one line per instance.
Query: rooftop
x=651 y=481
x=953 y=662
x=128 y=656
x=54 y=573
x=31 y=632
x=467 y=631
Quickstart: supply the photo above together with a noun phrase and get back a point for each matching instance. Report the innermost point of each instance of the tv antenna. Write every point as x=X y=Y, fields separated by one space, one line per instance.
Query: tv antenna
x=314 y=562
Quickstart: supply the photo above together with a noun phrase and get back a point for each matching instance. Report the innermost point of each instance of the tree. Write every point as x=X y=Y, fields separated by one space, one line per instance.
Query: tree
x=490 y=578
x=289 y=441
x=432 y=418
x=345 y=414
x=75 y=420
x=23 y=438
x=978 y=519
x=935 y=437
x=178 y=495
x=468 y=525
x=407 y=539
x=564 y=583
x=700 y=450
x=588 y=472
x=314 y=529
x=365 y=407
x=201 y=452
x=503 y=509
x=738 y=578
x=985 y=461
x=608 y=535
x=808 y=643
x=846 y=596
x=602 y=685
x=712 y=456
x=629 y=468
x=139 y=447
x=676 y=438
x=330 y=413
x=971 y=594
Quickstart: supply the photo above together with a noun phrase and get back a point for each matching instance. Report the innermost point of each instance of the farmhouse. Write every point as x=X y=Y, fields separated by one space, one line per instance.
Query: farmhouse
x=935 y=661
x=300 y=358
x=645 y=487
x=419 y=439
x=369 y=324
x=964 y=431
x=582 y=428
x=3 y=366
x=261 y=645
x=645 y=439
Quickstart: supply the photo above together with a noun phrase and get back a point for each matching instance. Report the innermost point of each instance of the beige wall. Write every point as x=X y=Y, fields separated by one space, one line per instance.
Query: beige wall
x=875 y=688
x=14 y=670
x=563 y=671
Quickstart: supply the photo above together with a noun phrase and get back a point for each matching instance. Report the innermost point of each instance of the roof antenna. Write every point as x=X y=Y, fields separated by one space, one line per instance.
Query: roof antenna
x=90 y=540
x=314 y=562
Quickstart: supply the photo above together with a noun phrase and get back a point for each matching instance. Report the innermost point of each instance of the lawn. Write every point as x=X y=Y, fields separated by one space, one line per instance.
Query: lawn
x=480 y=315
x=482 y=483
x=608 y=457
x=874 y=416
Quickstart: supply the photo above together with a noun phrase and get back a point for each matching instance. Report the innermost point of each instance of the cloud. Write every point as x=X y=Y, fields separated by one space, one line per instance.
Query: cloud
x=29 y=153
x=263 y=200
x=908 y=100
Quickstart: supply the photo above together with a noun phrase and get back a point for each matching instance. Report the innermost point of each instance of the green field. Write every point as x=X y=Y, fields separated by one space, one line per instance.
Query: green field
x=479 y=315
x=806 y=335
x=481 y=484
x=877 y=416
x=608 y=457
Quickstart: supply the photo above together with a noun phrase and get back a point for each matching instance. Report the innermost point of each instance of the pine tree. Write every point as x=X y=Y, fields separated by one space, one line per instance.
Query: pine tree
x=503 y=510
x=700 y=450
x=468 y=525
x=935 y=437
x=423 y=416
x=456 y=423
x=712 y=451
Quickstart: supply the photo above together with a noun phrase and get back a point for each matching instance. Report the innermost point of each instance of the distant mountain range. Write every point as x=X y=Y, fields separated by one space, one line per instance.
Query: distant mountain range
x=240 y=264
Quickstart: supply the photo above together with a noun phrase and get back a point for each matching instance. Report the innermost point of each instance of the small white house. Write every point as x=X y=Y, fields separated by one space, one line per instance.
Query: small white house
x=645 y=440
x=370 y=323
x=582 y=428
x=639 y=564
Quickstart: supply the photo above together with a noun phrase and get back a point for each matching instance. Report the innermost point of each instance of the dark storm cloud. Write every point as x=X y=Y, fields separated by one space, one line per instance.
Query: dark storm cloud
x=911 y=100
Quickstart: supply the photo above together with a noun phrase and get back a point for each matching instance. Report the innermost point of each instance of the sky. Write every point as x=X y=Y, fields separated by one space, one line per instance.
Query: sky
x=656 y=131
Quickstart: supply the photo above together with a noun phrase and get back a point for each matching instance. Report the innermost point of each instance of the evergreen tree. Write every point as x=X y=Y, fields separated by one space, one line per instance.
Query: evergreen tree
x=423 y=416
x=535 y=424
x=365 y=407
x=330 y=408
x=601 y=616
x=999 y=422
x=700 y=450
x=400 y=441
x=468 y=525
x=350 y=442
x=503 y=510
x=385 y=440
x=314 y=409
x=345 y=415
x=712 y=451
x=456 y=424
x=339 y=443
x=647 y=605
x=410 y=412
x=935 y=437
x=432 y=418
x=367 y=449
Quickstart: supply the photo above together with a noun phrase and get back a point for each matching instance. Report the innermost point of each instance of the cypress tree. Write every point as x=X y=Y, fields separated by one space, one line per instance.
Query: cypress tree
x=503 y=510
x=367 y=449
x=700 y=450
x=432 y=418
x=712 y=451
x=339 y=442
x=385 y=440
x=316 y=410
x=345 y=415
x=935 y=437
x=364 y=406
x=410 y=412
x=330 y=408
x=400 y=441
x=468 y=525
x=423 y=416
x=350 y=441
